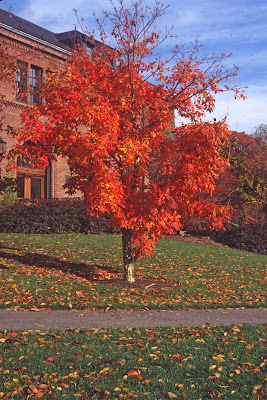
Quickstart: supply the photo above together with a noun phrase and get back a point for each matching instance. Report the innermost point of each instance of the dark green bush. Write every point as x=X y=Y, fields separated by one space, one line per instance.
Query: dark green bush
x=249 y=237
x=53 y=216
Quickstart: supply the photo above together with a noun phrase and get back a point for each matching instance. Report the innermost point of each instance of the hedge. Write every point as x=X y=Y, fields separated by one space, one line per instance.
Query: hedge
x=70 y=216
x=53 y=216
x=248 y=237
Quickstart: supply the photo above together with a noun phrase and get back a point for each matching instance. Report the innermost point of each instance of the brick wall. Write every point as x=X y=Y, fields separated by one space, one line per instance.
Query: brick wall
x=49 y=60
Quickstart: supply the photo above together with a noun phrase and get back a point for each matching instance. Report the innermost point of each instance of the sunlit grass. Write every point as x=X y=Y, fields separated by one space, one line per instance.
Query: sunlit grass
x=156 y=363
x=72 y=271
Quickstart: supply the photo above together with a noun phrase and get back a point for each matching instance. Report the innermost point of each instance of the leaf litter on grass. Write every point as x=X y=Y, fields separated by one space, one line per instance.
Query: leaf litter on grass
x=157 y=363
x=85 y=272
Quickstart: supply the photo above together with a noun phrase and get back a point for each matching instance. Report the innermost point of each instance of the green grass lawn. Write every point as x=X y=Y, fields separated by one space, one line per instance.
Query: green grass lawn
x=157 y=363
x=71 y=271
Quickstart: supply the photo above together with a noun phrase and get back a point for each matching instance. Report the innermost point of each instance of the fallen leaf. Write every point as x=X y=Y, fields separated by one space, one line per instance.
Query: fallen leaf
x=172 y=395
x=135 y=375
x=104 y=370
x=219 y=358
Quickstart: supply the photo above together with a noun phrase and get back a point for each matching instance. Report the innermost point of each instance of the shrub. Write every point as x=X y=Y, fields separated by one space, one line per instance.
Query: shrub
x=53 y=216
x=249 y=237
x=8 y=190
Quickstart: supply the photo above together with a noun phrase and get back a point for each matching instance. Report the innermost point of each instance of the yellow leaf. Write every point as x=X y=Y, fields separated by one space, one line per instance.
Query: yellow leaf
x=237 y=371
x=117 y=389
x=219 y=358
x=104 y=370
x=213 y=366
x=2 y=340
x=15 y=380
x=73 y=375
x=6 y=372
x=179 y=385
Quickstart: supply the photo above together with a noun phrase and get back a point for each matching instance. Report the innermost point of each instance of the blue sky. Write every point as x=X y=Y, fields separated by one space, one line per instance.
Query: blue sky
x=223 y=26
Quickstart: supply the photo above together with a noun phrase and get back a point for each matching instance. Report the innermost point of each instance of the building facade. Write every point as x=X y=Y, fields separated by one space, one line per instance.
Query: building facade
x=38 y=52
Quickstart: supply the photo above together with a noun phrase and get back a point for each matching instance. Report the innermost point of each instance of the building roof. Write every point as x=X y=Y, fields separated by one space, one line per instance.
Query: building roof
x=19 y=25
x=59 y=41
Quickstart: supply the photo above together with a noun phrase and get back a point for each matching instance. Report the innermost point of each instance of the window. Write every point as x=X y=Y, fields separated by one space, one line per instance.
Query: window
x=31 y=183
x=21 y=81
x=20 y=187
x=88 y=50
x=35 y=84
x=67 y=177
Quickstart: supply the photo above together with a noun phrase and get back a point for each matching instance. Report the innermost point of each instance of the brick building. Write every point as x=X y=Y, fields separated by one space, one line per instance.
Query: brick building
x=38 y=52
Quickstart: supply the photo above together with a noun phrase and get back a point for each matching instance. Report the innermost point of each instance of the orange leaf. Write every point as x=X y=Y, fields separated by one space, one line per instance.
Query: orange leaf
x=135 y=375
x=219 y=358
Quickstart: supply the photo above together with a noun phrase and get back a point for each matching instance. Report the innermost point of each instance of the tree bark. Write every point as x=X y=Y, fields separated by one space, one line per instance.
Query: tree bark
x=128 y=261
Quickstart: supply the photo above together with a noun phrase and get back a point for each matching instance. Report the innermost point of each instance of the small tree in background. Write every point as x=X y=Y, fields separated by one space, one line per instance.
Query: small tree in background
x=248 y=164
x=116 y=129
x=8 y=190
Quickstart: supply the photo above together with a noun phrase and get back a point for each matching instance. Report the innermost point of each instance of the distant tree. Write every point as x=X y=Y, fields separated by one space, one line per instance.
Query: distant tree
x=248 y=165
x=260 y=133
x=117 y=131
x=8 y=190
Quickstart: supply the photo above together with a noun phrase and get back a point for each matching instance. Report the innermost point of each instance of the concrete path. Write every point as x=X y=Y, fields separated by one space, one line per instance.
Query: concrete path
x=28 y=320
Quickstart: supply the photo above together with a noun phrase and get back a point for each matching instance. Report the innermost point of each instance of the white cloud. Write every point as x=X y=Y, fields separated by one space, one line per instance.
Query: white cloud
x=242 y=115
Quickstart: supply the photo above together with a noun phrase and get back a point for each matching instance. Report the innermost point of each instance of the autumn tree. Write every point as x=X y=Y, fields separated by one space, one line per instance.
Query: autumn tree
x=248 y=164
x=260 y=134
x=111 y=115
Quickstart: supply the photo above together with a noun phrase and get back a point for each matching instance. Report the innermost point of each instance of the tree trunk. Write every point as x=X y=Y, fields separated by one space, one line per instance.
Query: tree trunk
x=129 y=272
x=128 y=261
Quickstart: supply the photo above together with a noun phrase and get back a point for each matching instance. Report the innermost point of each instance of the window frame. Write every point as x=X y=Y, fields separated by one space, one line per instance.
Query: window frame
x=36 y=76
x=21 y=81
x=27 y=174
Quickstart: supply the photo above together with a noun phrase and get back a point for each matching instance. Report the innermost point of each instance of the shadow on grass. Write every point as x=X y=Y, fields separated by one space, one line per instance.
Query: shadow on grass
x=89 y=271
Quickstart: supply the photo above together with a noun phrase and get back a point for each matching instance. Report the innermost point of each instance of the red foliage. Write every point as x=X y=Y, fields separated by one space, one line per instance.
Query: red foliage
x=117 y=132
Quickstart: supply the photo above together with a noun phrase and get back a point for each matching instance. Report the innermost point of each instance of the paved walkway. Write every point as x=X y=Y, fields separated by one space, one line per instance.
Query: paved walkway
x=27 y=320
